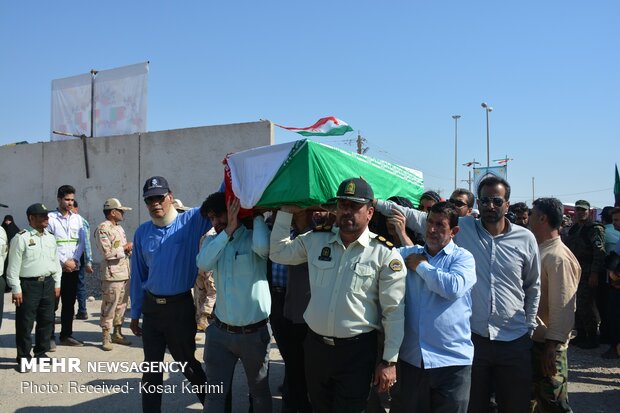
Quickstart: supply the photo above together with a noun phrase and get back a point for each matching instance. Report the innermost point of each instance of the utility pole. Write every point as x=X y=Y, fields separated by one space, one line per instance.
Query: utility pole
x=360 y=144
x=471 y=164
x=468 y=180
x=533 y=199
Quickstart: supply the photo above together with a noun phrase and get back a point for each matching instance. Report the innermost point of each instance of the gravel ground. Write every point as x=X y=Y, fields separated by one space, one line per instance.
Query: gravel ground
x=594 y=382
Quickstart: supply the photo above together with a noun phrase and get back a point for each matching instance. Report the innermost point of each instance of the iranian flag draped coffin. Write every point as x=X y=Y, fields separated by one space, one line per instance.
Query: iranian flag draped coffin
x=308 y=173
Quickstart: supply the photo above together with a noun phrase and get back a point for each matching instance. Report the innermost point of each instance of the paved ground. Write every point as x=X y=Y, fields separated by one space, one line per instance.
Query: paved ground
x=18 y=391
x=594 y=382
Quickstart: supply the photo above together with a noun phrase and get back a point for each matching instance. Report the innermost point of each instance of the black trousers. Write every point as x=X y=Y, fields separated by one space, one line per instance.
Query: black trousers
x=171 y=325
x=507 y=365
x=339 y=377
x=37 y=305
x=438 y=390
x=294 y=367
x=68 y=295
x=613 y=311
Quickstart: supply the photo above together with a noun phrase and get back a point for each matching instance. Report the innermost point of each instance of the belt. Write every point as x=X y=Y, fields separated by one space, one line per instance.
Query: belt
x=38 y=279
x=167 y=299
x=337 y=341
x=249 y=329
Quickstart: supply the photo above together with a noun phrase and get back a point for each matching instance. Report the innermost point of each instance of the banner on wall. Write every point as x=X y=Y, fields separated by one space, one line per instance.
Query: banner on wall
x=120 y=103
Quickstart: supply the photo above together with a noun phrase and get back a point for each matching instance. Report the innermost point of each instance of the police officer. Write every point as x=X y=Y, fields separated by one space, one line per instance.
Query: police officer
x=34 y=276
x=586 y=239
x=357 y=284
x=112 y=243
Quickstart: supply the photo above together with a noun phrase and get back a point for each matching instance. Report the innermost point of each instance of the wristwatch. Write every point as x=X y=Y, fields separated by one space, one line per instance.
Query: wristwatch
x=388 y=363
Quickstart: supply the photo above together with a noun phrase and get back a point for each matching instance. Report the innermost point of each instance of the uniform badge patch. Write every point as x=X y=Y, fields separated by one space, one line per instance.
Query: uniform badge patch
x=31 y=242
x=117 y=244
x=350 y=188
x=396 y=265
x=326 y=253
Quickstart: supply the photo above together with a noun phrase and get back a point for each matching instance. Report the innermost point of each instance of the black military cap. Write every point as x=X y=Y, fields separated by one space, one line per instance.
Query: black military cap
x=356 y=190
x=155 y=186
x=36 y=209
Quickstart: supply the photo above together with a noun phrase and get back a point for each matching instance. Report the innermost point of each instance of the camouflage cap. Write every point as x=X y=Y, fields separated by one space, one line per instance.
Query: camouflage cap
x=582 y=203
x=114 y=203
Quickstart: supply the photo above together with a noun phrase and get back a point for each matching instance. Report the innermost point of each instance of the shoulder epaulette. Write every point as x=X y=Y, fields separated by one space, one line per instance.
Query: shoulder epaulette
x=23 y=231
x=322 y=228
x=384 y=241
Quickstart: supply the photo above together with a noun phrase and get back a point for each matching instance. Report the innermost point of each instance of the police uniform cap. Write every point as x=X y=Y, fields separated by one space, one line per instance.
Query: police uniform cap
x=155 y=186
x=114 y=203
x=582 y=203
x=356 y=190
x=37 y=209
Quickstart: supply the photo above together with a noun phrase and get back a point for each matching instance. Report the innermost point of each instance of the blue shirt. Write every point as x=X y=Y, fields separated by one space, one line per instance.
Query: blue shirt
x=279 y=275
x=505 y=297
x=438 y=307
x=164 y=258
x=239 y=265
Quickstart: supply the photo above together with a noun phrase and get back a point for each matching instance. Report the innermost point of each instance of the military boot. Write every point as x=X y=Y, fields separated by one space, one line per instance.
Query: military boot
x=118 y=338
x=107 y=341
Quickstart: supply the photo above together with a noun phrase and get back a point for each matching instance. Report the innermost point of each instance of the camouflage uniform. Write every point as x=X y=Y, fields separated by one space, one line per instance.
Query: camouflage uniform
x=111 y=241
x=204 y=296
x=587 y=243
x=550 y=393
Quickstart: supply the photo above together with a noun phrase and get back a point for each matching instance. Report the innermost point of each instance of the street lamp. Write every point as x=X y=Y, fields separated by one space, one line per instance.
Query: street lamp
x=456 y=121
x=487 y=109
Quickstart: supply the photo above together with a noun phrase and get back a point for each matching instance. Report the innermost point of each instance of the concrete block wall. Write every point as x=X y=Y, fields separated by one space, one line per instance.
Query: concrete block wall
x=190 y=159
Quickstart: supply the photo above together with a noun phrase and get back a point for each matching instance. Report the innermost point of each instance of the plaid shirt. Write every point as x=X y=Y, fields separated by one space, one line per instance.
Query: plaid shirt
x=279 y=275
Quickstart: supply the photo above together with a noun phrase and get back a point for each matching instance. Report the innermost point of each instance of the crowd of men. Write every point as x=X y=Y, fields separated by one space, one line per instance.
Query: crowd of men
x=373 y=303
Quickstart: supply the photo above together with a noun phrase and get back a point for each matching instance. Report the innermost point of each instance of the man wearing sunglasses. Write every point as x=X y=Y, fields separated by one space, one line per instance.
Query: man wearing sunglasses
x=163 y=271
x=461 y=198
x=504 y=298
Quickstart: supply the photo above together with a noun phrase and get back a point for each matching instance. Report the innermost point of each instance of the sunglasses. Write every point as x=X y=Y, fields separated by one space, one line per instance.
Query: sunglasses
x=157 y=199
x=498 y=201
x=457 y=203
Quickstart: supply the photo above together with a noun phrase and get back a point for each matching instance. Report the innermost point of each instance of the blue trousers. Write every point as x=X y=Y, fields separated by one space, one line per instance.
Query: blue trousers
x=222 y=351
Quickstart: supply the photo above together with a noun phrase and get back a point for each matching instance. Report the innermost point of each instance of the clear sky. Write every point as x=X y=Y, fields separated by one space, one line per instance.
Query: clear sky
x=395 y=71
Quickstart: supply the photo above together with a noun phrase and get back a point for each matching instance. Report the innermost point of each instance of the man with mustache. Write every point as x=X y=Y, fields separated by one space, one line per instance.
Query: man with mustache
x=237 y=255
x=163 y=272
x=437 y=351
x=504 y=298
x=357 y=285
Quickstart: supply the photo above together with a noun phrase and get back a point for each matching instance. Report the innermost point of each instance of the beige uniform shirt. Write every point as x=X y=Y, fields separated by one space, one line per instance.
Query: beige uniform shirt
x=31 y=255
x=559 y=277
x=353 y=290
x=111 y=240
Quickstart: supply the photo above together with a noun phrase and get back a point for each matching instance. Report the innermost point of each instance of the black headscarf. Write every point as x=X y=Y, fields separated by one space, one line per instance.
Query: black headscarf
x=11 y=229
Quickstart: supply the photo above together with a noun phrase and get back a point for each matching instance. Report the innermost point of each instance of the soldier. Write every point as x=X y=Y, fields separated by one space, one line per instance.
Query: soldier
x=559 y=278
x=586 y=239
x=112 y=242
x=357 y=286
x=34 y=276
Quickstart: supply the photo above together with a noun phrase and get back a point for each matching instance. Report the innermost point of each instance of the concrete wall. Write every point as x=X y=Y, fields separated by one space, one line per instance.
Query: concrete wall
x=190 y=159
